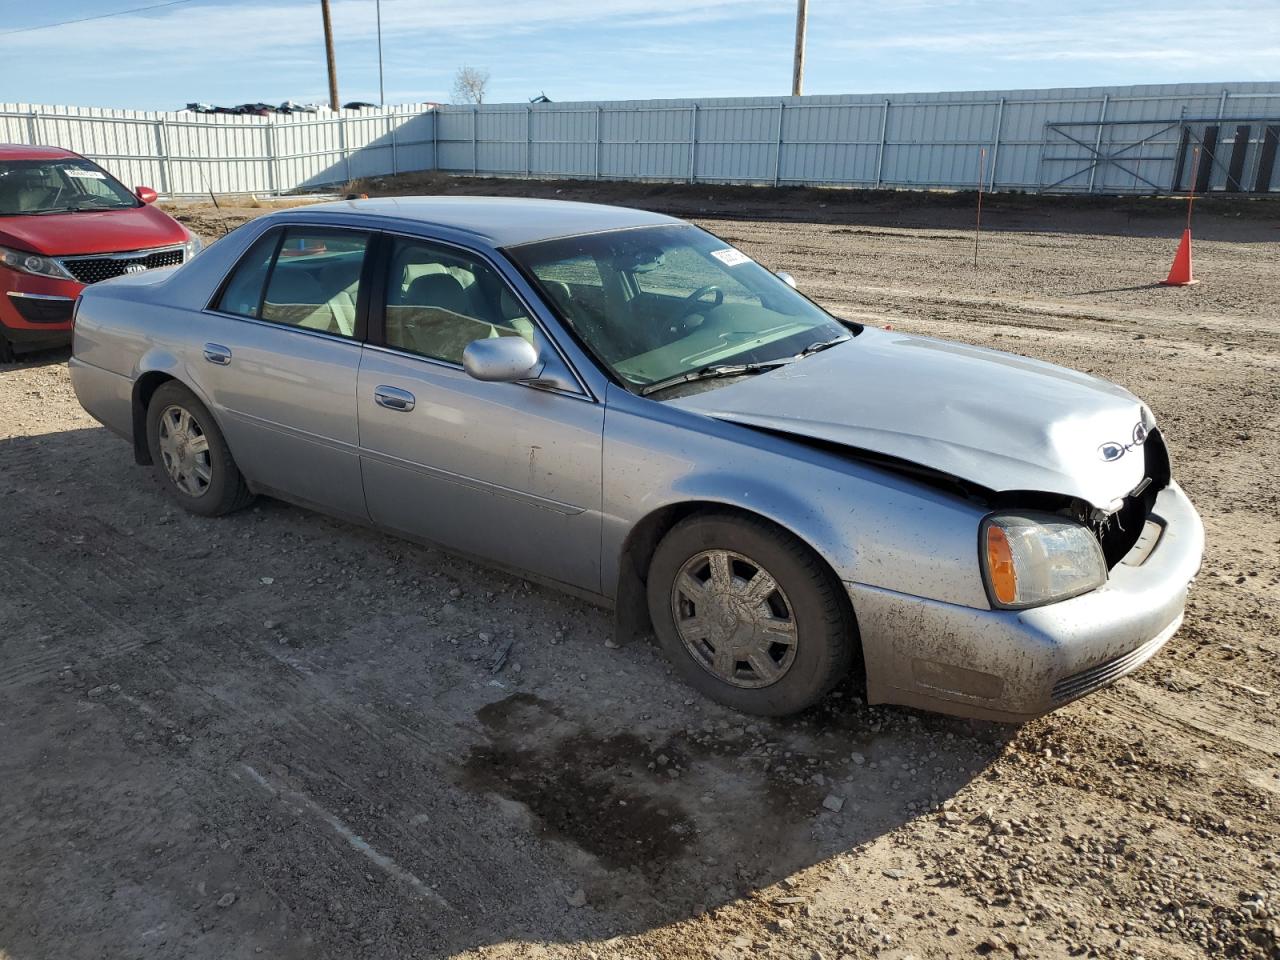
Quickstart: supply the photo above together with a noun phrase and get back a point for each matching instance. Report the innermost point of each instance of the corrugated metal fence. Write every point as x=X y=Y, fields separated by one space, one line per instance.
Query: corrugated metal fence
x=1143 y=139
x=190 y=153
x=1101 y=140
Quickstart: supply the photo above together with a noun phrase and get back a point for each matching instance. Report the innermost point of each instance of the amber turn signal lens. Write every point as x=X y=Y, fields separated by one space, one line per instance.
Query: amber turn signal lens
x=1004 y=580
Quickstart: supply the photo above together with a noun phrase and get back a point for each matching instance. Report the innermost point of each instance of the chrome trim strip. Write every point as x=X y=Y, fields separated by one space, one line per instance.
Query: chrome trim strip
x=123 y=254
x=585 y=392
x=276 y=427
x=40 y=296
x=271 y=324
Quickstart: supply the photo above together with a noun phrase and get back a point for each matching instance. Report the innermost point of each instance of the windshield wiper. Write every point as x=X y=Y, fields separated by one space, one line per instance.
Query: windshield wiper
x=821 y=345
x=712 y=372
x=47 y=211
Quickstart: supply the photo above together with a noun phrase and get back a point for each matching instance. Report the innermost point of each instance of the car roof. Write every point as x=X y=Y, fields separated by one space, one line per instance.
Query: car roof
x=21 y=151
x=499 y=221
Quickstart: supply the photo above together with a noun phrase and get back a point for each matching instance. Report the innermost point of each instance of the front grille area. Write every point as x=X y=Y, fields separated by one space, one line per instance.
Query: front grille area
x=1086 y=681
x=1120 y=531
x=95 y=269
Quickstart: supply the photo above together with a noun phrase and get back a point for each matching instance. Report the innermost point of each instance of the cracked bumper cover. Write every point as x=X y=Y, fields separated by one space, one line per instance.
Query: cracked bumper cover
x=1014 y=665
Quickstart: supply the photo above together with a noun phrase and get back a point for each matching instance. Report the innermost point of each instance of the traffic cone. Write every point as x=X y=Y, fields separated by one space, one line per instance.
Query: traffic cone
x=1180 y=272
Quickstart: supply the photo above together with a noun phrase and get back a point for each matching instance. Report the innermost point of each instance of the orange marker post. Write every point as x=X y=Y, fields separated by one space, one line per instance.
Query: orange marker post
x=1180 y=274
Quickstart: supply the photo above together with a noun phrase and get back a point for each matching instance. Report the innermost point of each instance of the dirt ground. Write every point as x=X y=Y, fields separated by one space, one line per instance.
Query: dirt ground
x=281 y=735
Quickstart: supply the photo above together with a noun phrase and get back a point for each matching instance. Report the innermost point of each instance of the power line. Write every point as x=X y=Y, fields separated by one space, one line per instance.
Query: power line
x=101 y=16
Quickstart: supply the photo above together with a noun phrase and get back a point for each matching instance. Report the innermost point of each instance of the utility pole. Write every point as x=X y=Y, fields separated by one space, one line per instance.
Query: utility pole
x=797 y=73
x=328 y=53
x=382 y=96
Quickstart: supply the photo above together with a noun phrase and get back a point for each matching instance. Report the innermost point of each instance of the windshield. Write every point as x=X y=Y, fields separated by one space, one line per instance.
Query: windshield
x=59 y=186
x=657 y=303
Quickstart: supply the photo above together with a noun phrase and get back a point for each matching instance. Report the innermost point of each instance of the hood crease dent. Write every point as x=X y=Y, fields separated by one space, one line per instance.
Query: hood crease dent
x=1000 y=421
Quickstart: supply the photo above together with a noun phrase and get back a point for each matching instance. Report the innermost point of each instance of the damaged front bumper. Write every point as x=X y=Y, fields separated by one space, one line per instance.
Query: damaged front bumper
x=1014 y=665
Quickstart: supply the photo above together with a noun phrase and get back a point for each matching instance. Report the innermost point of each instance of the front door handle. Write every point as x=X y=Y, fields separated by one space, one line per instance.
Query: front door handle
x=393 y=398
x=217 y=353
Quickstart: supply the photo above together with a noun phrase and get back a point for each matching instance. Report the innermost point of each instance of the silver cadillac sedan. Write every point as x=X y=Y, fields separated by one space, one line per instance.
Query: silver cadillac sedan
x=620 y=404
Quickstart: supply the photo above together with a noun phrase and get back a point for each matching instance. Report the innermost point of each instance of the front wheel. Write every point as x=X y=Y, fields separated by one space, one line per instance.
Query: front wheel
x=749 y=615
x=190 y=454
x=6 y=351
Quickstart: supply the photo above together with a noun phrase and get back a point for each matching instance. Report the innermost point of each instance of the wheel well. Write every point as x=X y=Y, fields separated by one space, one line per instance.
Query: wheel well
x=143 y=390
x=631 y=608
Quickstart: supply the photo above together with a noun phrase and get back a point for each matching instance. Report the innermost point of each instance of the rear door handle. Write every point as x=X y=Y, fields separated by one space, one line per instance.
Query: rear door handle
x=217 y=353
x=393 y=398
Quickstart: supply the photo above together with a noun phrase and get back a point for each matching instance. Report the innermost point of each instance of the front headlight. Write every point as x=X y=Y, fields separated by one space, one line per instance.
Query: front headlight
x=1033 y=559
x=33 y=263
x=193 y=246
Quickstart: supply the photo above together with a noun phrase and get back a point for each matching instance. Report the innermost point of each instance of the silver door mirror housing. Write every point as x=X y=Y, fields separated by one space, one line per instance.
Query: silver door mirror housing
x=502 y=360
x=786 y=278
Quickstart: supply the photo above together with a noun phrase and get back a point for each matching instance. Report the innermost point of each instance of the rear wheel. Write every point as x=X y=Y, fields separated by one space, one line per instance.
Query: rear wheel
x=190 y=454
x=750 y=615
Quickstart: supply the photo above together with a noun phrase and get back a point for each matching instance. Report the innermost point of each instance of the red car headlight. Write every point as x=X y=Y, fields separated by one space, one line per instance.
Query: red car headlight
x=33 y=263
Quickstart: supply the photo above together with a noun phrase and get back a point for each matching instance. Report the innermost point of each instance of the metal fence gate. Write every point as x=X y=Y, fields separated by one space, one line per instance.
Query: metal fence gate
x=1230 y=155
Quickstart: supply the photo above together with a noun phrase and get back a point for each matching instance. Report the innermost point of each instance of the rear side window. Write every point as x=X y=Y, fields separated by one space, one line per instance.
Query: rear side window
x=309 y=277
x=243 y=292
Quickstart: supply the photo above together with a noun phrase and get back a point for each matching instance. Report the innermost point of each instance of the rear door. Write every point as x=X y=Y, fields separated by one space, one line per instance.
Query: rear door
x=278 y=358
x=505 y=471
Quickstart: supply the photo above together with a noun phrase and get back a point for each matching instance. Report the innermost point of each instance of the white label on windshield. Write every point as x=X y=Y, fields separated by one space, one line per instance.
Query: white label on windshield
x=730 y=257
x=86 y=174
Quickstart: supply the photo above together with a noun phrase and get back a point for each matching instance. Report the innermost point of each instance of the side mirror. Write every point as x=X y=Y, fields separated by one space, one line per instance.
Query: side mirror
x=502 y=360
x=145 y=194
x=786 y=278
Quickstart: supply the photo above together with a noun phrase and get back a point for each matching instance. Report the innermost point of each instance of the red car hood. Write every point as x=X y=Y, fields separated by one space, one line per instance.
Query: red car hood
x=98 y=231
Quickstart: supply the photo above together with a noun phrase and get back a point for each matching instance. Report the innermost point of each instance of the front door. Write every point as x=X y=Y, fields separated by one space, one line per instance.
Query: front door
x=504 y=471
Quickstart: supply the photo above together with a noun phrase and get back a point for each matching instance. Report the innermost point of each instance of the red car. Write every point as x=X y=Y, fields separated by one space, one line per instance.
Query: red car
x=65 y=223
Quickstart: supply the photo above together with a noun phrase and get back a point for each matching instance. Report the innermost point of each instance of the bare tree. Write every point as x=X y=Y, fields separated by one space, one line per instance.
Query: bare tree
x=469 y=85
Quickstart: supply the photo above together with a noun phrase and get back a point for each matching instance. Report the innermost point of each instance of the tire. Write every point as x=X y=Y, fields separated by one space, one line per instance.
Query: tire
x=190 y=455
x=6 y=351
x=803 y=626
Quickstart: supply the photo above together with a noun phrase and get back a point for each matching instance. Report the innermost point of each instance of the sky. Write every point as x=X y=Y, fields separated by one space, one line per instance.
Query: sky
x=236 y=51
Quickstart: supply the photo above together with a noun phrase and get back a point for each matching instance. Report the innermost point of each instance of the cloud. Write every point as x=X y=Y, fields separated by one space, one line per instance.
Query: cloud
x=235 y=50
x=244 y=29
x=274 y=49
x=1181 y=35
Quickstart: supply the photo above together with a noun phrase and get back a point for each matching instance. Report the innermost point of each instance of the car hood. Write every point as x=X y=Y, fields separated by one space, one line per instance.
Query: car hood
x=92 y=231
x=1001 y=421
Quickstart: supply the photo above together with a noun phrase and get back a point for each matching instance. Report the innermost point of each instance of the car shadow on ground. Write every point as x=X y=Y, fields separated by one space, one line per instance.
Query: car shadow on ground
x=46 y=357
x=281 y=731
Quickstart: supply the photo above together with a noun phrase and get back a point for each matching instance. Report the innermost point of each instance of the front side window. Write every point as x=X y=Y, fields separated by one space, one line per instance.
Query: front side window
x=440 y=299
x=658 y=303
x=70 y=185
x=306 y=277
